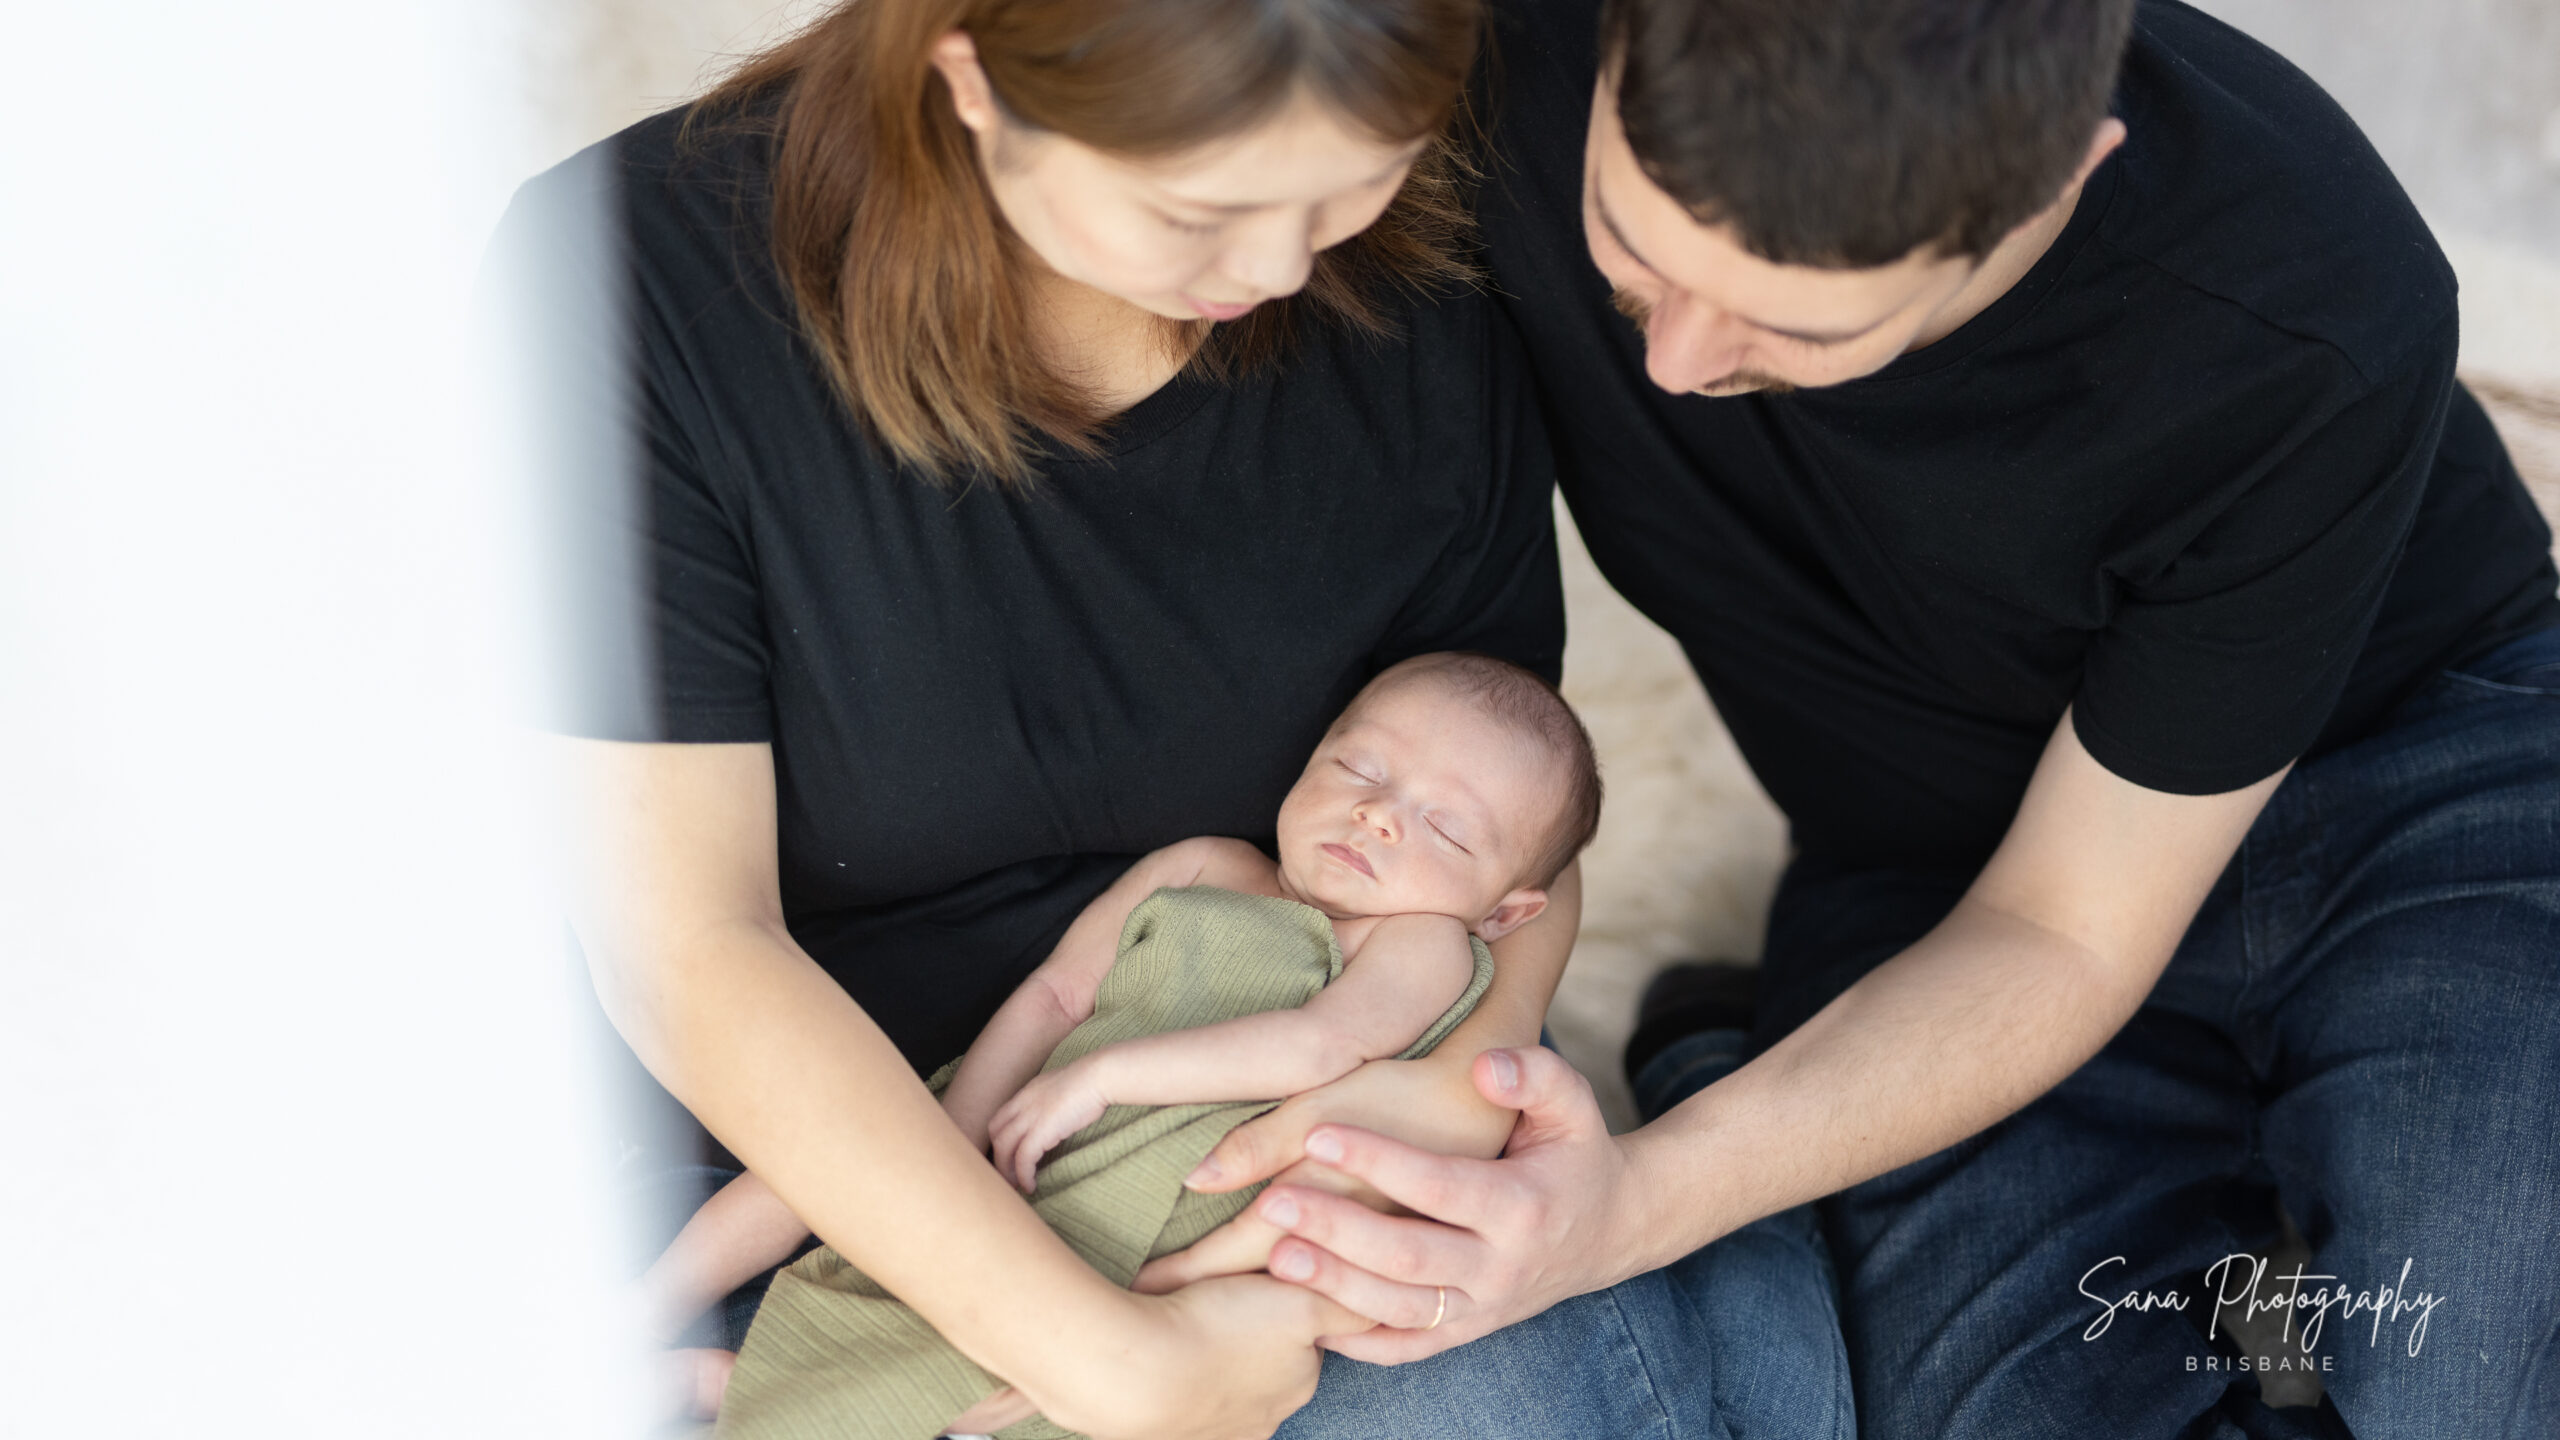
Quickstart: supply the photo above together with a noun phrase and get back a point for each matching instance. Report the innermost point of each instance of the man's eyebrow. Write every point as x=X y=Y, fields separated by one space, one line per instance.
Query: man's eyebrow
x=1609 y=223
x=1822 y=337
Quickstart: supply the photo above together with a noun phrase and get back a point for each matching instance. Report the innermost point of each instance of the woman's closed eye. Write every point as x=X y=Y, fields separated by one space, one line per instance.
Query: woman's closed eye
x=1187 y=227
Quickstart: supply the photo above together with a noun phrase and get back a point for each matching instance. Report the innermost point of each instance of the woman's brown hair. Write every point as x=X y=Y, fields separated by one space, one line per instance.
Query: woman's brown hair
x=914 y=289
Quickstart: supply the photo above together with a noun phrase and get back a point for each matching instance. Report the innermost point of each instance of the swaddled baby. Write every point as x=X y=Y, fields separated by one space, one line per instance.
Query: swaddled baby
x=1206 y=984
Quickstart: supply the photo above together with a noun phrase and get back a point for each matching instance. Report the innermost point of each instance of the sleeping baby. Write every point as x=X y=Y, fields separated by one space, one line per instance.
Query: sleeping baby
x=1207 y=984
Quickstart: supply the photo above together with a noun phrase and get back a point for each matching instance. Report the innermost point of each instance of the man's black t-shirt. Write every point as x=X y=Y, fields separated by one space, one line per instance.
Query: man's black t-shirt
x=2202 y=476
x=983 y=705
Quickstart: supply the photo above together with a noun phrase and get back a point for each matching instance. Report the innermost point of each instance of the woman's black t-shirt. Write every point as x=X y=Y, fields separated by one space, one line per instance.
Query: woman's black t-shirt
x=982 y=705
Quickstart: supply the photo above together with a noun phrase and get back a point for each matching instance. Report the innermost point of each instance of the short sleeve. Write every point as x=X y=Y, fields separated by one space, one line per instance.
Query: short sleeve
x=2223 y=668
x=653 y=625
x=1496 y=588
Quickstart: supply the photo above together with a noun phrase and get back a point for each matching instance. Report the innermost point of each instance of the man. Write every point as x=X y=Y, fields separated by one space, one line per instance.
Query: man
x=2036 y=420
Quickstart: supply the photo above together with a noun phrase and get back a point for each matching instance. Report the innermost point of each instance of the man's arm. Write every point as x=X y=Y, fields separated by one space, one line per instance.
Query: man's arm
x=1411 y=968
x=1057 y=997
x=2050 y=952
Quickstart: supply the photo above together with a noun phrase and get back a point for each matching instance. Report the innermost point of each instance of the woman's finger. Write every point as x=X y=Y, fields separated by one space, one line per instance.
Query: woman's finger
x=1386 y=1345
x=1239 y=1247
x=1412 y=1251
x=1255 y=1150
x=1387 y=1302
x=1005 y=1407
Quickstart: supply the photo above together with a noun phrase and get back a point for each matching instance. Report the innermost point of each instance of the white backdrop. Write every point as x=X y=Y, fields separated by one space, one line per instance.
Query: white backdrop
x=295 y=1140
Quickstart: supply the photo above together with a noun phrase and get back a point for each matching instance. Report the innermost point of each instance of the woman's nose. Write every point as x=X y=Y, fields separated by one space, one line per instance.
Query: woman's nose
x=1273 y=256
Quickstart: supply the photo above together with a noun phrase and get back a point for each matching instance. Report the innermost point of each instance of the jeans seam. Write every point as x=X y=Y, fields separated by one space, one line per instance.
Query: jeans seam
x=2546 y=692
x=1652 y=1387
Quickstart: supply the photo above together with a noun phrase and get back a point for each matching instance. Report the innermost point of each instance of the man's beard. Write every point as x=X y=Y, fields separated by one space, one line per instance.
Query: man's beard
x=1740 y=382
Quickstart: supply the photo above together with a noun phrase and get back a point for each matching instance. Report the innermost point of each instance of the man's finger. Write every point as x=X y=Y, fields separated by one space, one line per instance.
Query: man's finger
x=1552 y=1097
x=1440 y=1186
x=1386 y=1302
x=1415 y=1252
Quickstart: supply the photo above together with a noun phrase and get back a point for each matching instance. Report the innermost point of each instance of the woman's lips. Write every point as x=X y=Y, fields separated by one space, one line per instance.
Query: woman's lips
x=1217 y=312
x=1350 y=857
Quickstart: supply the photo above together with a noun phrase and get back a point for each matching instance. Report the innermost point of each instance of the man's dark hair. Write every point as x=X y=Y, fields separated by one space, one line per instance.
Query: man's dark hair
x=1848 y=133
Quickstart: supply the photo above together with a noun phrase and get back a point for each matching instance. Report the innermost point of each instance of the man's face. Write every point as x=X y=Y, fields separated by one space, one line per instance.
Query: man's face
x=1719 y=320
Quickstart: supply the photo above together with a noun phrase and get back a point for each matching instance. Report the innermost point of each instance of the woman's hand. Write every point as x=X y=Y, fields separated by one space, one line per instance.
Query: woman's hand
x=1430 y=1103
x=1227 y=1359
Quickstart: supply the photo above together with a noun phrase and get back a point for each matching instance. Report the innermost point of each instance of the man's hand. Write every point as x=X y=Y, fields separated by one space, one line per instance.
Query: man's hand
x=1554 y=1217
x=1431 y=1103
x=1044 y=1112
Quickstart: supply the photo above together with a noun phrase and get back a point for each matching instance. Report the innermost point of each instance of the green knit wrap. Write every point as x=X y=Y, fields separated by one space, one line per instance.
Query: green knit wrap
x=832 y=1356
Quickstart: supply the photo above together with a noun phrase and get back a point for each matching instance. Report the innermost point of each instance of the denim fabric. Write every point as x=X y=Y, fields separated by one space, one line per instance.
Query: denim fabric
x=2364 y=1020
x=1740 y=1339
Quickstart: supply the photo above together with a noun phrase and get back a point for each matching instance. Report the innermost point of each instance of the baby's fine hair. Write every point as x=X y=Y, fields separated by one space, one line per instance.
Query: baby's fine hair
x=1522 y=701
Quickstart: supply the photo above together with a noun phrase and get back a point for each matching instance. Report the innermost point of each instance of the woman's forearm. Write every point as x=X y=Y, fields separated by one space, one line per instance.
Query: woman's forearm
x=785 y=1068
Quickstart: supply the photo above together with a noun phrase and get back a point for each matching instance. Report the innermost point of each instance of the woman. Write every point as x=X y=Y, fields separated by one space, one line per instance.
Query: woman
x=1051 y=412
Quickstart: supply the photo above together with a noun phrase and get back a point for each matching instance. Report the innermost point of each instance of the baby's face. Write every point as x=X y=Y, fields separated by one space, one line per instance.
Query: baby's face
x=1419 y=804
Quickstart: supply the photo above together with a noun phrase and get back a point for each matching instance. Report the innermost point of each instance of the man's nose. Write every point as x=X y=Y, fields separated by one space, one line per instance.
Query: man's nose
x=1689 y=344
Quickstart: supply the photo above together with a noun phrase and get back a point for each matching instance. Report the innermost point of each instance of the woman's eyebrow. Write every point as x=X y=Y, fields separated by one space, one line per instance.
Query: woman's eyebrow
x=1240 y=207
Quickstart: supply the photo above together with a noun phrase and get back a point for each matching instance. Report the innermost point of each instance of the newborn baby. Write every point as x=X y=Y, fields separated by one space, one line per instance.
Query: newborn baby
x=1431 y=818
x=1442 y=803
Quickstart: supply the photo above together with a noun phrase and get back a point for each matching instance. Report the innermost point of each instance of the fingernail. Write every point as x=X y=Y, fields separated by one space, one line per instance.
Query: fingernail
x=1280 y=1210
x=1324 y=1145
x=1506 y=1071
x=1292 y=1264
x=1204 y=1173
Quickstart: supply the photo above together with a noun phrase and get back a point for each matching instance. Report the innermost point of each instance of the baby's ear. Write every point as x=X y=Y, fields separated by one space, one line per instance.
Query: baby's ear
x=1517 y=909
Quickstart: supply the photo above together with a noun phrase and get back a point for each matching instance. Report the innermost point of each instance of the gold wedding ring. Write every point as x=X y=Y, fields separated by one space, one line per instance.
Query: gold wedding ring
x=1442 y=1313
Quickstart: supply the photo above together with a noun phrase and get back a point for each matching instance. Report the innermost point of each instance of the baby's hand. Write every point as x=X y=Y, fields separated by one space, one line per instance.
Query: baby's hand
x=1044 y=1112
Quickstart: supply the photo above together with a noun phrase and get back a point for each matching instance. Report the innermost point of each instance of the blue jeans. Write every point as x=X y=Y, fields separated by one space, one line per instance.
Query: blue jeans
x=2364 y=1020
x=1740 y=1339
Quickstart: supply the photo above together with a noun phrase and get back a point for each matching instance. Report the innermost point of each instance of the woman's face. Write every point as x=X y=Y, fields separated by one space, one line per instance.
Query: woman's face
x=1206 y=234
